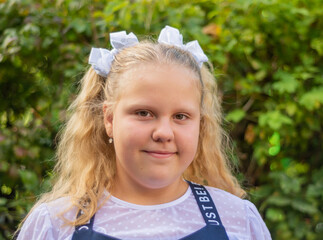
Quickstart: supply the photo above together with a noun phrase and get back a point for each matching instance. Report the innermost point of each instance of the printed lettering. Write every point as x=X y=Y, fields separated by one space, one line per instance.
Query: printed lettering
x=199 y=188
x=200 y=192
x=210 y=215
x=206 y=207
x=214 y=222
x=204 y=199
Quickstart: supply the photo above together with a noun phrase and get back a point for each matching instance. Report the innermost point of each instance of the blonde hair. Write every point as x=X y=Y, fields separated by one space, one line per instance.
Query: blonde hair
x=86 y=161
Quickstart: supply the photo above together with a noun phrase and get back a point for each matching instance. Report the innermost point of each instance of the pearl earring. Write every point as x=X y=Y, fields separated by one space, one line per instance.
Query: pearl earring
x=110 y=140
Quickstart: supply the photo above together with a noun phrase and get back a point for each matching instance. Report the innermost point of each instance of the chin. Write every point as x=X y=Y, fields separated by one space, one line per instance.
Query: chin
x=157 y=182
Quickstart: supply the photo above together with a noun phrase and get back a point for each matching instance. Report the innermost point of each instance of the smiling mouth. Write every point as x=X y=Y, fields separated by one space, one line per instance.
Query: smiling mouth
x=160 y=154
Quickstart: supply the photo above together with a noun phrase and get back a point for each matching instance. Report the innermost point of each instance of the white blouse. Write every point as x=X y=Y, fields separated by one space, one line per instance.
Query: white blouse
x=168 y=221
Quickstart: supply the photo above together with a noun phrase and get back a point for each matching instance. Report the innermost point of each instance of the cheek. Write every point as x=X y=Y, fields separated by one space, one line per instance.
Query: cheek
x=131 y=133
x=189 y=140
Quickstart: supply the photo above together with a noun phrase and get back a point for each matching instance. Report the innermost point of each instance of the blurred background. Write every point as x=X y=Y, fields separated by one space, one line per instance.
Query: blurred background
x=268 y=60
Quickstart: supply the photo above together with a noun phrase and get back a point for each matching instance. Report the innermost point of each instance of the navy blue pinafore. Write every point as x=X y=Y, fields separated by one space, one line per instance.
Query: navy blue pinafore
x=213 y=230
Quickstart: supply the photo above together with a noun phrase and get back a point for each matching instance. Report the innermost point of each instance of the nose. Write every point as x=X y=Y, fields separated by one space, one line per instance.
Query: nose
x=163 y=131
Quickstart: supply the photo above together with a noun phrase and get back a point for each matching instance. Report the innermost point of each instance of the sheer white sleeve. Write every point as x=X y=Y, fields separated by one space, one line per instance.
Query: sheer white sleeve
x=38 y=225
x=257 y=227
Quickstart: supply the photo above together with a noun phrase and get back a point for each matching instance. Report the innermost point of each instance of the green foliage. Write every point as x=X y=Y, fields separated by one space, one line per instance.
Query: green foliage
x=268 y=58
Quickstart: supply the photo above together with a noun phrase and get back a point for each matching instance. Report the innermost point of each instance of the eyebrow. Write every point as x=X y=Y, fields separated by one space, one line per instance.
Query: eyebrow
x=188 y=108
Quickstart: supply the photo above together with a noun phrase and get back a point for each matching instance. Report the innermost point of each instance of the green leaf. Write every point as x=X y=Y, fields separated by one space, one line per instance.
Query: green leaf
x=29 y=179
x=236 y=115
x=275 y=214
x=285 y=162
x=275 y=139
x=291 y=108
x=274 y=119
x=4 y=166
x=278 y=200
x=317 y=44
x=286 y=82
x=114 y=6
x=80 y=25
x=312 y=99
x=3 y=201
x=315 y=190
x=304 y=207
x=274 y=150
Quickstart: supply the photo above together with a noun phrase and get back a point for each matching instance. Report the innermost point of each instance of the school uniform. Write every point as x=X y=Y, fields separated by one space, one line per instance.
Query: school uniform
x=201 y=213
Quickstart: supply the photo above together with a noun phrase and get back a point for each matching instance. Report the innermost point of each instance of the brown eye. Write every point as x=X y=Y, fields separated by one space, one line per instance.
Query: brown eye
x=180 y=117
x=143 y=113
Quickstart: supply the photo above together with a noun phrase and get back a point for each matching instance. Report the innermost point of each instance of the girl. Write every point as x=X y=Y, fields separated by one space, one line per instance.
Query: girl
x=144 y=133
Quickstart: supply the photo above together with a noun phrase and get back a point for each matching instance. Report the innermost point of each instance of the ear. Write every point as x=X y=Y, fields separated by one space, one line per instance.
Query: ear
x=108 y=120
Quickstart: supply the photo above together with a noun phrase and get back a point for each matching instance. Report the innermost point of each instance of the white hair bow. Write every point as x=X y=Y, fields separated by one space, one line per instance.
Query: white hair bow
x=172 y=36
x=101 y=58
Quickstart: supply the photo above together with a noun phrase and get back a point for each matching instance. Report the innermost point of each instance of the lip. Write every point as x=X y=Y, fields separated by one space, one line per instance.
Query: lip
x=160 y=154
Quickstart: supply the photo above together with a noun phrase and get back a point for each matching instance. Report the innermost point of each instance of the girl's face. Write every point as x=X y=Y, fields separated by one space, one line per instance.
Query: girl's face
x=155 y=125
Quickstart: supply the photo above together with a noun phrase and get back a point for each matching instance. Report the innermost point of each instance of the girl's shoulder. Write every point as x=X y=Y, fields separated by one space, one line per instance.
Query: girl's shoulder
x=45 y=221
x=237 y=213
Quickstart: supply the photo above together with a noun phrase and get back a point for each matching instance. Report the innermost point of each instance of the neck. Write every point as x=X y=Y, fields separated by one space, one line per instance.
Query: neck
x=135 y=193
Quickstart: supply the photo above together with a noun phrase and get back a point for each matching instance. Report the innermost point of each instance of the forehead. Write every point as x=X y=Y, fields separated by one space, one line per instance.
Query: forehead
x=157 y=76
x=162 y=84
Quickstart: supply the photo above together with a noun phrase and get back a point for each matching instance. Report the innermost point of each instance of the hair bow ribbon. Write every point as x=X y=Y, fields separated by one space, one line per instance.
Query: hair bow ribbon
x=172 y=36
x=101 y=58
